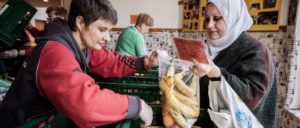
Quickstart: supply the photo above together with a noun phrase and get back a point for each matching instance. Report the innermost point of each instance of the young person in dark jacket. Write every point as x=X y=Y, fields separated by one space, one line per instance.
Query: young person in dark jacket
x=32 y=32
x=244 y=62
x=54 y=76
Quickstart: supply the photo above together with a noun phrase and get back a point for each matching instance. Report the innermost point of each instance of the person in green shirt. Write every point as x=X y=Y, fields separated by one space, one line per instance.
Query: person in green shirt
x=131 y=40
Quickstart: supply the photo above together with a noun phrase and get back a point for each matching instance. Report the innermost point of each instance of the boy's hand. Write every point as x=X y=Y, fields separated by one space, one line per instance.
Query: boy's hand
x=153 y=59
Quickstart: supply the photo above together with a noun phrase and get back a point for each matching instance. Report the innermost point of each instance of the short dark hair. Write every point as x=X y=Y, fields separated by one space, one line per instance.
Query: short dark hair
x=91 y=10
x=144 y=18
x=62 y=12
x=51 y=9
x=57 y=10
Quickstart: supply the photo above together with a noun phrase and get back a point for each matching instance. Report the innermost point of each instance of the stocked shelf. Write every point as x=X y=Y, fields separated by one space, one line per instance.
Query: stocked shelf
x=265 y=15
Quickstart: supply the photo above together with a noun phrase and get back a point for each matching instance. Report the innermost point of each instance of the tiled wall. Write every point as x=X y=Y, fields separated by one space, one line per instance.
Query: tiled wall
x=280 y=43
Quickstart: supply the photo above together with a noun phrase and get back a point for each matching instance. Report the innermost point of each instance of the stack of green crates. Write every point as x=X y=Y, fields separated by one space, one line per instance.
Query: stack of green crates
x=142 y=84
x=15 y=16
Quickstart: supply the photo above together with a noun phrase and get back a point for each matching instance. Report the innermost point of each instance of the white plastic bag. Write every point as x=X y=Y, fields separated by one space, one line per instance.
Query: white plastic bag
x=227 y=109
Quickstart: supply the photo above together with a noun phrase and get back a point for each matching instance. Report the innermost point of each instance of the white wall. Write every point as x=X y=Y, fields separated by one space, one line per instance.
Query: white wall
x=40 y=15
x=297 y=31
x=284 y=12
x=165 y=12
x=1 y=4
x=66 y=4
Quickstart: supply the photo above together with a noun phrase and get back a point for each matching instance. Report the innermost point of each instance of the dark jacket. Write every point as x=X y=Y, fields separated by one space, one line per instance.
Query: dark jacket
x=248 y=67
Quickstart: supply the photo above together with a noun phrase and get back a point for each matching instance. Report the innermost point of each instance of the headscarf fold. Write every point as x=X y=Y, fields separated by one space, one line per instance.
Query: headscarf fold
x=237 y=19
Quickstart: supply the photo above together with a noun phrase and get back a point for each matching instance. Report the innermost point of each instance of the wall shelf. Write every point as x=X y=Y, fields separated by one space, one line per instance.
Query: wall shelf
x=265 y=14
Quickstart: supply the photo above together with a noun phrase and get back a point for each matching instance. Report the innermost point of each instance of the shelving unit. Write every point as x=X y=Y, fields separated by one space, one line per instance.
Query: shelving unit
x=193 y=15
x=265 y=14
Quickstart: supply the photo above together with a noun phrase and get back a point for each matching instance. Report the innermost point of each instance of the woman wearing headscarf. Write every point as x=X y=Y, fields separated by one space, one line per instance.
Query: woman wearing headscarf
x=54 y=78
x=244 y=62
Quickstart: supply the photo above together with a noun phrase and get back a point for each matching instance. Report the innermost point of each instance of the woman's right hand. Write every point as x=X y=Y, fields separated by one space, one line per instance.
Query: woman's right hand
x=201 y=69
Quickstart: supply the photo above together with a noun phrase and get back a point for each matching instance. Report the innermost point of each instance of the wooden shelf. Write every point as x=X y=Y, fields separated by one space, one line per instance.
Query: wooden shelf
x=265 y=14
x=192 y=15
x=266 y=17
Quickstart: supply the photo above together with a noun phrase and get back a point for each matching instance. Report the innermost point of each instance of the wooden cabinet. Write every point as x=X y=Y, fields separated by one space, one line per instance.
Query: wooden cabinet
x=265 y=15
x=193 y=15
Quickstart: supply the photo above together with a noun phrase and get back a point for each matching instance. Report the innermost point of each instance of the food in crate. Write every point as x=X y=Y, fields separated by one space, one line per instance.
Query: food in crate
x=180 y=90
x=138 y=74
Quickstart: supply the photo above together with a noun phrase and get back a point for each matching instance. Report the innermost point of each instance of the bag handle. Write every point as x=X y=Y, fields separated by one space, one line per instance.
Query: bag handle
x=213 y=95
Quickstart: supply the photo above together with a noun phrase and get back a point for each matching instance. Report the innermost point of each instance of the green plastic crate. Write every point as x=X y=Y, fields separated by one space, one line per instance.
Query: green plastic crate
x=152 y=73
x=148 y=92
x=157 y=120
x=135 y=79
x=15 y=16
x=144 y=85
x=144 y=77
x=52 y=119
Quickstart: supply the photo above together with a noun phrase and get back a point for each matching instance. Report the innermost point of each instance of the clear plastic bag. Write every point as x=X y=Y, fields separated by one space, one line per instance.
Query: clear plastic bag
x=180 y=90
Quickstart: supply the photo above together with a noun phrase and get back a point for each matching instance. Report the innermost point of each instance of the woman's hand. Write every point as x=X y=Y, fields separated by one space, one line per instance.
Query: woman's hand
x=201 y=69
x=153 y=59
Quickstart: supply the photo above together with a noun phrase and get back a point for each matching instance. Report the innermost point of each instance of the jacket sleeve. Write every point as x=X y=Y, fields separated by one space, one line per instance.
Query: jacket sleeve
x=253 y=76
x=35 y=32
x=75 y=94
x=28 y=51
x=111 y=64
